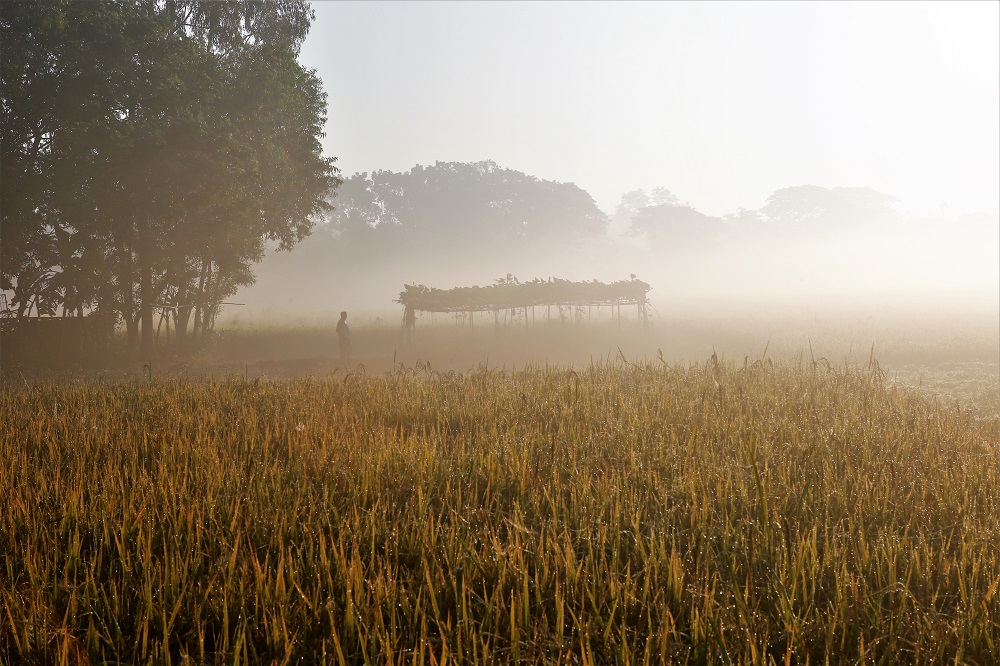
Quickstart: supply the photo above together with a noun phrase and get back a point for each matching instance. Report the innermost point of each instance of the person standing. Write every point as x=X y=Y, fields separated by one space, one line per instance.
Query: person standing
x=344 y=338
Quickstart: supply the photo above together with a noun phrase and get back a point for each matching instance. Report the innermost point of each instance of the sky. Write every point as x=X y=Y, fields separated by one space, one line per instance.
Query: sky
x=720 y=102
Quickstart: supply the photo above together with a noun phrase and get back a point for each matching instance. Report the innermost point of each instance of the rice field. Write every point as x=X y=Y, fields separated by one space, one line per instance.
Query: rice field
x=734 y=512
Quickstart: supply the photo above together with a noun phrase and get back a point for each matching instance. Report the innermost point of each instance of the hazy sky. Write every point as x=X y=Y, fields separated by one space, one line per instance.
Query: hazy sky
x=721 y=102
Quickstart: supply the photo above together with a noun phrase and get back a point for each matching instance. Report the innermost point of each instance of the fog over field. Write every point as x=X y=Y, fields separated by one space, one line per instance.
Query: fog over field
x=894 y=260
x=754 y=152
x=814 y=179
x=761 y=155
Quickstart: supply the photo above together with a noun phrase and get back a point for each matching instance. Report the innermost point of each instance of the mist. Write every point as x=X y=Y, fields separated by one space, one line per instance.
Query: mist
x=890 y=257
x=693 y=105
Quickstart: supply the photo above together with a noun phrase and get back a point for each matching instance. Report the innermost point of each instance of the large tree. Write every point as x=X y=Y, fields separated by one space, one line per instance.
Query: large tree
x=452 y=208
x=634 y=201
x=814 y=208
x=673 y=229
x=150 y=148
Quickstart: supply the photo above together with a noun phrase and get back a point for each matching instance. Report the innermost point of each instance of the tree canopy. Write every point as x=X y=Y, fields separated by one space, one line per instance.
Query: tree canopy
x=812 y=207
x=454 y=206
x=674 y=227
x=150 y=149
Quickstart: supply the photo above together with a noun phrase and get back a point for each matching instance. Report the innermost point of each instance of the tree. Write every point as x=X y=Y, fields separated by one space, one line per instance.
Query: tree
x=676 y=228
x=634 y=201
x=465 y=220
x=814 y=208
x=743 y=216
x=664 y=197
x=452 y=208
x=150 y=149
x=630 y=203
x=34 y=82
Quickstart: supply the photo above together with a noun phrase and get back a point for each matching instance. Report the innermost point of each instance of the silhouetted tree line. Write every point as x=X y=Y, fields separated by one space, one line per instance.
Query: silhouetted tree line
x=450 y=210
x=669 y=225
x=455 y=218
x=454 y=207
x=475 y=219
x=150 y=149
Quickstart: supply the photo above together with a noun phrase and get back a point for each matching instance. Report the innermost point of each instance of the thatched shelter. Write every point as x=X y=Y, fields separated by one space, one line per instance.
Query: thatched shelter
x=508 y=295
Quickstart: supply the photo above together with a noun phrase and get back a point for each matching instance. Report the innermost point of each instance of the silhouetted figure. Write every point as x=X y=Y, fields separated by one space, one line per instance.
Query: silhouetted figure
x=344 y=337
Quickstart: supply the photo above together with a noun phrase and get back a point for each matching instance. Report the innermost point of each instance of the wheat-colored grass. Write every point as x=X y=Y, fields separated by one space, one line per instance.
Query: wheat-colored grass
x=745 y=513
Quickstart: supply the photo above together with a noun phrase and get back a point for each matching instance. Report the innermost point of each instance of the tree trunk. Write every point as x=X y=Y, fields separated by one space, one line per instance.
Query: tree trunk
x=212 y=301
x=181 y=316
x=208 y=301
x=199 y=300
x=128 y=301
x=146 y=296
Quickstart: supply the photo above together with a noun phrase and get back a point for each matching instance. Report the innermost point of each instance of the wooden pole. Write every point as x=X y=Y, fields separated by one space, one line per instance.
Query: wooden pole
x=163 y=313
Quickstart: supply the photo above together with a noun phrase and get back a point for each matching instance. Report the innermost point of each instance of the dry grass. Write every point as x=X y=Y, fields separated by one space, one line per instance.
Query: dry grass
x=620 y=513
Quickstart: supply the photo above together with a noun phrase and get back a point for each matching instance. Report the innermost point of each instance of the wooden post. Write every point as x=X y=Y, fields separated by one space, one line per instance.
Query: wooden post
x=156 y=337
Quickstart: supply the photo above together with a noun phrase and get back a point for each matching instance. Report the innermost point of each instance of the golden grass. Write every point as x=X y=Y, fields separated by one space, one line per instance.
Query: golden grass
x=653 y=513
